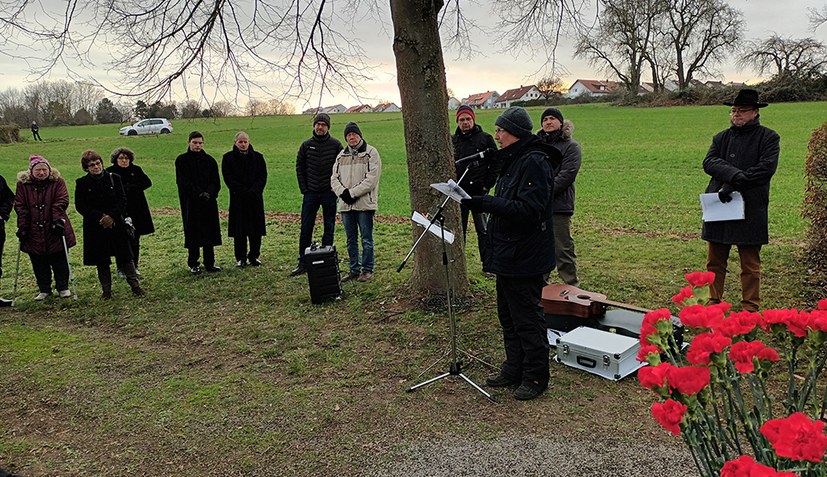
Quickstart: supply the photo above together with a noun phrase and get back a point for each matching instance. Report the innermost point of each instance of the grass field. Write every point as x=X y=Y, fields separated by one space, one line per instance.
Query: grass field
x=238 y=374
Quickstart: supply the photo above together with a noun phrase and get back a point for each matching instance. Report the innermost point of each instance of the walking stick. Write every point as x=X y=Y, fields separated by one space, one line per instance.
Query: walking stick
x=71 y=273
x=16 y=274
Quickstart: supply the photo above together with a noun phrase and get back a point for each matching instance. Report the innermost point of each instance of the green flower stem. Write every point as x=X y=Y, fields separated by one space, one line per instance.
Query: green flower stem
x=811 y=381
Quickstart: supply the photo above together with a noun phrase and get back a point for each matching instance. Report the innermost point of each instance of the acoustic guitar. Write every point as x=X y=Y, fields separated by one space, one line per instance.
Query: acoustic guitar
x=560 y=299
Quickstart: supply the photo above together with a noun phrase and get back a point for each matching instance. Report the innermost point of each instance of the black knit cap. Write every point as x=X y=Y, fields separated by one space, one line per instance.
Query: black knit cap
x=322 y=118
x=552 y=112
x=516 y=121
x=352 y=127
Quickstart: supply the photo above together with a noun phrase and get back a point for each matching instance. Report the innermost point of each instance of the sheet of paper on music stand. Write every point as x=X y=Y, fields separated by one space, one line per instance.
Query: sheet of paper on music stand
x=716 y=211
x=434 y=228
x=452 y=190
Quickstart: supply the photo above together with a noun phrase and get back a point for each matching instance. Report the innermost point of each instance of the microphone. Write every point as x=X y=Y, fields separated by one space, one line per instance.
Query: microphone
x=475 y=157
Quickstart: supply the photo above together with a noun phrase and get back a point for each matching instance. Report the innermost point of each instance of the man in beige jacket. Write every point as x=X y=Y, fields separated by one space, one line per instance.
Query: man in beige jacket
x=355 y=180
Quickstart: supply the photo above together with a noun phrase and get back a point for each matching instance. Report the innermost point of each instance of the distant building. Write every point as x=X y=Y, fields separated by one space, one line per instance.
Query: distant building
x=453 y=103
x=362 y=108
x=339 y=108
x=715 y=84
x=387 y=108
x=311 y=111
x=485 y=100
x=523 y=93
x=592 y=88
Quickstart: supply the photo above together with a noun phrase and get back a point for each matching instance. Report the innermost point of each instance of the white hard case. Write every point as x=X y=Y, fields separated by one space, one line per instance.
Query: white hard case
x=609 y=355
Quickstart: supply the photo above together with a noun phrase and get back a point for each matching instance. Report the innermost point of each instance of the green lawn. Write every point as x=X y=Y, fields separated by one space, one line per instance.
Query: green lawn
x=238 y=374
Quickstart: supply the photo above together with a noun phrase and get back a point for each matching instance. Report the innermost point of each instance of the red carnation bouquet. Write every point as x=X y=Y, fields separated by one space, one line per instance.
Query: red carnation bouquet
x=717 y=395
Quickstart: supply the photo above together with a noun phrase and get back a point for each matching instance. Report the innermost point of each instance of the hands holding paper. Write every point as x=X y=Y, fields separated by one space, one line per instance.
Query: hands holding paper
x=475 y=203
x=725 y=193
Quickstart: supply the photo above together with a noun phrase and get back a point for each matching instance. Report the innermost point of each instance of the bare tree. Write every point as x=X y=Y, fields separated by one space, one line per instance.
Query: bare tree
x=786 y=58
x=818 y=17
x=255 y=107
x=550 y=86
x=86 y=96
x=700 y=33
x=191 y=109
x=277 y=107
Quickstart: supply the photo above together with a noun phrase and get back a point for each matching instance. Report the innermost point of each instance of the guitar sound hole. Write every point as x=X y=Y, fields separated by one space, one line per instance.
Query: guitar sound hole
x=584 y=297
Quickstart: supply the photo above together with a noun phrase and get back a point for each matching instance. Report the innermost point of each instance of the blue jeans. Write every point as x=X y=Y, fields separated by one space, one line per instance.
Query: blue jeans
x=363 y=219
x=310 y=207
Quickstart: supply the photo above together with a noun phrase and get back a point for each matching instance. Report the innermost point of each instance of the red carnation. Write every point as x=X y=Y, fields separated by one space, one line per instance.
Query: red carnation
x=745 y=466
x=694 y=316
x=796 y=437
x=700 y=279
x=740 y=323
x=686 y=292
x=669 y=414
x=743 y=352
x=818 y=320
x=653 y=376
x=645 y=351
x=822 y=304
x=792 y=319
x=704 y=345
x=688 y=380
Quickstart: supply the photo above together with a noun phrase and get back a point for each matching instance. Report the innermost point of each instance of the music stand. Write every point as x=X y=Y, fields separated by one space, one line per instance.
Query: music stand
x=455 y=366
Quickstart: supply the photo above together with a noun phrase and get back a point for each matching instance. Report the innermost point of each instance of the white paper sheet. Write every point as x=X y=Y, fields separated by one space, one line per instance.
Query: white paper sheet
x=716 y=211
x=434 y=229
x=452 y=190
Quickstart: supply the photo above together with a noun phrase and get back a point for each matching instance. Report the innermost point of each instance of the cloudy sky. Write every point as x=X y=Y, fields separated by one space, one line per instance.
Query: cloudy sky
x=490 y=69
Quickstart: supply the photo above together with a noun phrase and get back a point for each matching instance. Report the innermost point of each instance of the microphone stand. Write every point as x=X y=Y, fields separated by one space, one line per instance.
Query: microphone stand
x=455 y=366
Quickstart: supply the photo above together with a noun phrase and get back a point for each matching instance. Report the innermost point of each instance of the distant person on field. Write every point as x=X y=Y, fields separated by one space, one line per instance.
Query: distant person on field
x=135 y=182
x=101 y=200
x=469 y=139
x=196 y=174
x=245 y=174
x=557 y=132
x=742 y=158
x=521 y=244
x=36 y=131
x=42 y=223
x=6 y=205
x=314 y=166
x=355 y=181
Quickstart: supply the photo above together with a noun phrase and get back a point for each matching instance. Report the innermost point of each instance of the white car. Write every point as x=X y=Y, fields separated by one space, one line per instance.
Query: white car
x=148 y=126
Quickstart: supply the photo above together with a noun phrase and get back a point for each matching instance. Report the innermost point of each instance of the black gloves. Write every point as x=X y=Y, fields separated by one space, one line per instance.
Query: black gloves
x=205 y=196
x=59 y=227
x=474 y=204
x=347 y=198
x=22 y=234
x=739 y=180
x=725 y=194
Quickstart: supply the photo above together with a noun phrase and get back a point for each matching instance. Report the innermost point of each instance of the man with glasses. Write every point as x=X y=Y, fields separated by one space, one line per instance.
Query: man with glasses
x=742 y=158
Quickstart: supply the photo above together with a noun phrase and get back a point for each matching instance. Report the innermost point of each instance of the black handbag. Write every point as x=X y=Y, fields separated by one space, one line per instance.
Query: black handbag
x=126 y=221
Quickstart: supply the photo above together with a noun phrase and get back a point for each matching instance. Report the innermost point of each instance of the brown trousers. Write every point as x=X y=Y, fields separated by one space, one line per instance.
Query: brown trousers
x=750 y=255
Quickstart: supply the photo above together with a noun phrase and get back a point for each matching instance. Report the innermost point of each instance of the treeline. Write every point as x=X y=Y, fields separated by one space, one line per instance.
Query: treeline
x=64 y=103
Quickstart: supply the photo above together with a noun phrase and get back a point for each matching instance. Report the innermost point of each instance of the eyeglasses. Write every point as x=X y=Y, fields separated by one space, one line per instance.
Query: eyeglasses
x=740 y=110
x=498 y=130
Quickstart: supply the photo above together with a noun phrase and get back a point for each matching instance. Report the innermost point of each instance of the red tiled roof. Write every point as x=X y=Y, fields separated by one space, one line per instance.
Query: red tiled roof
x=515 y=94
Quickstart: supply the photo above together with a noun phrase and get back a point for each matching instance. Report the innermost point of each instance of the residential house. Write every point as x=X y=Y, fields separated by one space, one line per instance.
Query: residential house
x=361 y=108
x=485 y=100
x=523 y=93
x=453 y=103
x=312 y=111
x=592 y=88
x=339 y=108
x=387 y=108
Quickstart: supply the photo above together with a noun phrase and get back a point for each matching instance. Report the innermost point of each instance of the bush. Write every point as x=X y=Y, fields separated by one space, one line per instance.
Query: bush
x=815 y=209
x=9 y=133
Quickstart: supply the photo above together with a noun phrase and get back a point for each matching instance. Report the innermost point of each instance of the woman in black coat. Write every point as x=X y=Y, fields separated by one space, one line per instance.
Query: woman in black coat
x=135 y=182
x=196 y=174
x=245 y=174
x=101 y=200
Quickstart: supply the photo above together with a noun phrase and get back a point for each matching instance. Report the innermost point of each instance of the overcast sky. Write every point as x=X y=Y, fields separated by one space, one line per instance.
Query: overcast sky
x=492 y=70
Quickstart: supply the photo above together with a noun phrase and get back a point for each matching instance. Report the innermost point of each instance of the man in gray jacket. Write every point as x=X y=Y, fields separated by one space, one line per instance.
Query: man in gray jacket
x=557 y=132
x=742 y=158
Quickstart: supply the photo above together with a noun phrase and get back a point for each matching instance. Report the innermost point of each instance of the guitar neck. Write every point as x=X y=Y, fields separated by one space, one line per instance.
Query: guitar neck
x=622 y=305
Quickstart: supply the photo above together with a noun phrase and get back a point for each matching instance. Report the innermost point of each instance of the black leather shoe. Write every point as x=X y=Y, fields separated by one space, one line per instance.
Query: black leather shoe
x=106 y=295
x=195 y=270
x=298 y=270
x=500 y=381
x=212 y=269
x=528 y=391
x=254 y=262
x=240 y=263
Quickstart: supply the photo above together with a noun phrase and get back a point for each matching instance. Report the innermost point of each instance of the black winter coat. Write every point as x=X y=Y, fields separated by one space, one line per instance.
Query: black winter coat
x=6 y=204
x=135 y=182
x=520 y=233
x=566 y=173
x=481 y=175
x=245 y=176
x=94 y=197
x=314 y=163
x=752 y=149
x=197 y=172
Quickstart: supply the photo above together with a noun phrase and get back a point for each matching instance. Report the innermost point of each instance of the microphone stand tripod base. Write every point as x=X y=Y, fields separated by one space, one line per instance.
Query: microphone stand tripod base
x=454 y=370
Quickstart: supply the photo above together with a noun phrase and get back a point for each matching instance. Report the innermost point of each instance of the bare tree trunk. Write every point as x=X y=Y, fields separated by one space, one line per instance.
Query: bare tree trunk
x=420 y=72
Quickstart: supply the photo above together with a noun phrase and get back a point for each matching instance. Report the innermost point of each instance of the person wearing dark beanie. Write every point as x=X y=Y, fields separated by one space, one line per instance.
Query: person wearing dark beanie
x=520 y=250
x=314 y=165
x=355 y=180
x=478 y=177
x=557 y=132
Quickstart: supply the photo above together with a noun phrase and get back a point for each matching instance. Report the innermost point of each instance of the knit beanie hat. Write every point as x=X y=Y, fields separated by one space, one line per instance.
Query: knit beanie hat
x=352 y=128
x=35 y=159
x=322 y=118
x=516 y=121
x=552 y=112
x=465 y=109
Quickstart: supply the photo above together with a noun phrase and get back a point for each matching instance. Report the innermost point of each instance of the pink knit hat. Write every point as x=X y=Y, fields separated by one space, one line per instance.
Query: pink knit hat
x=35 y=159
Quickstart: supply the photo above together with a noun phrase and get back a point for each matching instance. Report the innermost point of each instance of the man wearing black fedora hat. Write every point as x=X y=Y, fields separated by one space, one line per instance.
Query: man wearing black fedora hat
x=742 y=158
